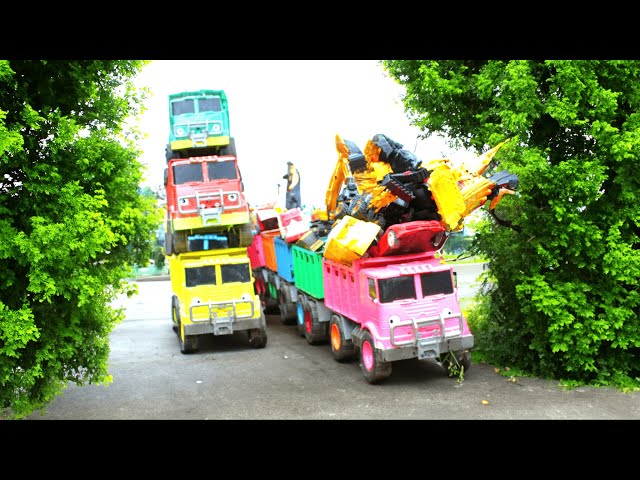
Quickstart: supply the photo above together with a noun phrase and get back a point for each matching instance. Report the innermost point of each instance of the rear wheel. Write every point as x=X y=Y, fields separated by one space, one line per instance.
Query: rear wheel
x=372 y=369
x=269 y=305
x=287 y=309
x=180 y=243
x=169 y=153
x=314 y=331
x=457 y=362
x=229 y=149
x=240 y=236
x=342 y=349
x=168 y=240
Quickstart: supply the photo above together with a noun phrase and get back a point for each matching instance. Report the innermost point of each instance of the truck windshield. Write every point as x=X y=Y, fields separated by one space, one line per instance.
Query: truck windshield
x=238 y=272
x=183 y=106
x=436 y=283
x=187 y=173
x=197 y=276
x=398 y=288
x=209 y=105
x=222 y=171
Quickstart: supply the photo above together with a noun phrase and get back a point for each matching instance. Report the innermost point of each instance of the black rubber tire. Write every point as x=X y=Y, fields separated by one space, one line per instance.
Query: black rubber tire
x=180 y=241
x=188 y=344
x=373 y=370
x=245 y=235
x=257 y=337
x=287 y=309
x=269 y=305
x=343 y=350
x=169 y=154
x=168 y=240
x=463 y=358
x=315 y=332
x=229 y=149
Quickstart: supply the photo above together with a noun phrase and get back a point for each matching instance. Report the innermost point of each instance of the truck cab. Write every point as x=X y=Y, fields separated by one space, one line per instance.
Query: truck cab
x=213 y=293
x=205 y=195
x=406 y=306
x=199 y=124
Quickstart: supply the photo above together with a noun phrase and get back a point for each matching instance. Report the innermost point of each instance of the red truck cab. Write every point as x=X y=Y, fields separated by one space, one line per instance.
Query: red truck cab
x=205 y=195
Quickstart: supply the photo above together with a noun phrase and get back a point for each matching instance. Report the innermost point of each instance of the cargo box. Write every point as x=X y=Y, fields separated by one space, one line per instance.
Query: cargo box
x=269 y=248
x=256 y=252
x=284 y=260
x=307 y=271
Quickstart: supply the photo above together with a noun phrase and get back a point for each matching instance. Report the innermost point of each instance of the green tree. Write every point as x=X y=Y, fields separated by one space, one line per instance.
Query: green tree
x=562 y=299
x=72 y=222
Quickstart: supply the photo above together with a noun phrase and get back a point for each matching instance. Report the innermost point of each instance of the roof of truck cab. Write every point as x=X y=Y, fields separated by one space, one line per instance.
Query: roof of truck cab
x=410 y=268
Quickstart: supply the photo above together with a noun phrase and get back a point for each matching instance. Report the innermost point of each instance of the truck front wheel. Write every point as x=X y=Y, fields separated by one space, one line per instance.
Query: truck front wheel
x=343 y=350
x=188 y=343
x=372 y=369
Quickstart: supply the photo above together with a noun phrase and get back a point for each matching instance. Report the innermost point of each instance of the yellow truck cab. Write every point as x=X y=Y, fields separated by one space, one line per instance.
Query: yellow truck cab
x=213 y=293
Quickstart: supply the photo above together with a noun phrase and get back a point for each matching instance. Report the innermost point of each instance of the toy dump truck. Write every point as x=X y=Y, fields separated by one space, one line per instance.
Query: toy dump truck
x=213 y=293
x=199 y=125
x=205 y=195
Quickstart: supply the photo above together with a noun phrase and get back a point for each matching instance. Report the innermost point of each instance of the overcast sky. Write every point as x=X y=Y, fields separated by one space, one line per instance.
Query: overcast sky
x=285 y=110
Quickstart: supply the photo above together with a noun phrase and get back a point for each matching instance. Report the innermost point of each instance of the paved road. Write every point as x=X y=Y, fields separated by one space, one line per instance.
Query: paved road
x=290 y=379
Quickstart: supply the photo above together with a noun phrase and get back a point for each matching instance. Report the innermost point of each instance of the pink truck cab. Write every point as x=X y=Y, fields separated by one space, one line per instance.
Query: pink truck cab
x=205 y=195
x=393 y=308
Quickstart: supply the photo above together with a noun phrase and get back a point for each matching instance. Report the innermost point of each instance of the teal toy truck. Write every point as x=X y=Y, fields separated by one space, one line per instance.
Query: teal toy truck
x=199 y=125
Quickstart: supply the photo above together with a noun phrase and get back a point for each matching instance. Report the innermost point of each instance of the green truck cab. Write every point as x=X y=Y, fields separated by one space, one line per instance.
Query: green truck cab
x=199 y=125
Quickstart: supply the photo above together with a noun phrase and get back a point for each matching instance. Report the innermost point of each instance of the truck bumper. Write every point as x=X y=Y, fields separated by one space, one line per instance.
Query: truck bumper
x=223 y=326
x=410 y=351
x=210 y=142
x=195 y=222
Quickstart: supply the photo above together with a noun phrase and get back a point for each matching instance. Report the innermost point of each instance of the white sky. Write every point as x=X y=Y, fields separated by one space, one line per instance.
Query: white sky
x=285 y=110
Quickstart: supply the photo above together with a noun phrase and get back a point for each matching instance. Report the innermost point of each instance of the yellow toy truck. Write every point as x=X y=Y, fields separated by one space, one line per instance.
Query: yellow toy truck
x=213 y=293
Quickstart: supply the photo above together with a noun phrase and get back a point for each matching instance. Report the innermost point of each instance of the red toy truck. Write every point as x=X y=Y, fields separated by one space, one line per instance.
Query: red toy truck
x=205 y=195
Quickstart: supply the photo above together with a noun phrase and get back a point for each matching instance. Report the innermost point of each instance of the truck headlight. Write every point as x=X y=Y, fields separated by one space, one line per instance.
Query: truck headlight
x=181 y=132
x=392 y=239
x=393 y=319
x=216 y=128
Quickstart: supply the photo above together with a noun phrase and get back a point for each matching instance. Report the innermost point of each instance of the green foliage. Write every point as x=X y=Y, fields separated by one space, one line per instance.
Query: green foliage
x=457 y=243
x=72 y=222
x=562 y=294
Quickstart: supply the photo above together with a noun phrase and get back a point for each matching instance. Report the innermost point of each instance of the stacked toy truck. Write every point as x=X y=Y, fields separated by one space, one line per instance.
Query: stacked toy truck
x=364 y=276
x=208 y=225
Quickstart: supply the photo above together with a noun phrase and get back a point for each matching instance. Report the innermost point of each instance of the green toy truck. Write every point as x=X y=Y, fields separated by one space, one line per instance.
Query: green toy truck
x=199 y=125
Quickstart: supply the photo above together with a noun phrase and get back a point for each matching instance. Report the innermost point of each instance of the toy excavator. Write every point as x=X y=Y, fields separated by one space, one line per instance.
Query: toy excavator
x=388 y=185
x=416 y=204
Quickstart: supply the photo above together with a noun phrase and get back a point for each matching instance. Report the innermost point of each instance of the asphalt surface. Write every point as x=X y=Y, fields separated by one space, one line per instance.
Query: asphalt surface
x=291 y=380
